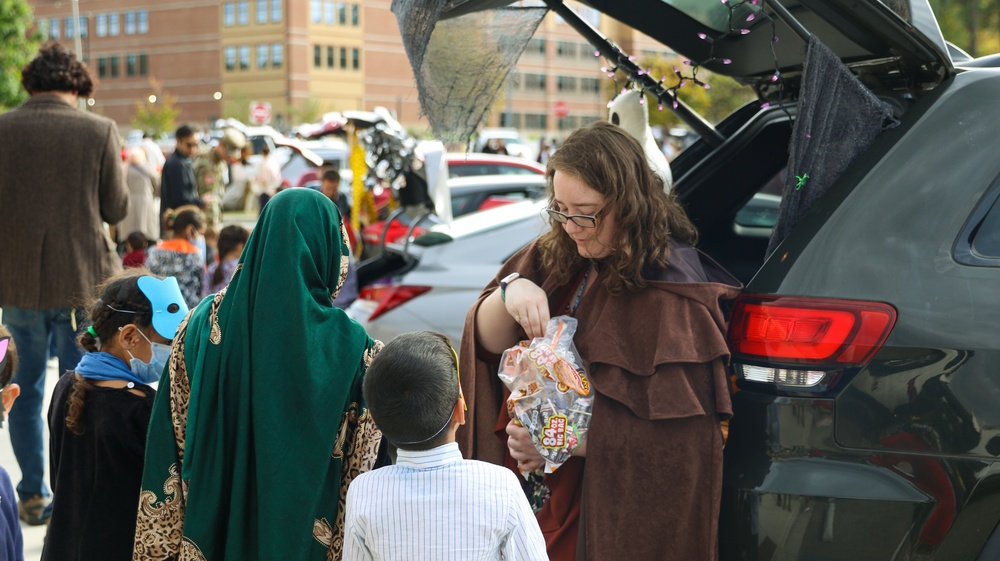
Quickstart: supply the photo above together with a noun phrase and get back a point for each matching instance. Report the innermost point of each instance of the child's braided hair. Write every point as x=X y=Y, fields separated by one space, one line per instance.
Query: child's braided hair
x=120 y=303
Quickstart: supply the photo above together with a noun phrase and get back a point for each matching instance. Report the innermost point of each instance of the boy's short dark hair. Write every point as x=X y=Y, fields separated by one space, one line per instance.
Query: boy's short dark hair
x=137 y=240
x=10 y=362
x=331 y=175
x=411 y=389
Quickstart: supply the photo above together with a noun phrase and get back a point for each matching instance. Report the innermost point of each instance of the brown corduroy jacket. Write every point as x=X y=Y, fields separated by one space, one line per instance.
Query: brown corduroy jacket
x=60 y=180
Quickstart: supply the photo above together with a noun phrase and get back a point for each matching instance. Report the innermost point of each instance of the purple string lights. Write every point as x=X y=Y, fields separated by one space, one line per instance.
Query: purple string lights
x=736 y=25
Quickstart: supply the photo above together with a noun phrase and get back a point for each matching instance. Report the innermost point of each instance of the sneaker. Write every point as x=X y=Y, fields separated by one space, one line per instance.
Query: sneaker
x=35 y=510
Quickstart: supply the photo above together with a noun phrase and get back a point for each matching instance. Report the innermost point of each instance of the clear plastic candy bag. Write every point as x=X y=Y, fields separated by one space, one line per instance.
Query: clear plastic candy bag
x=550 y=392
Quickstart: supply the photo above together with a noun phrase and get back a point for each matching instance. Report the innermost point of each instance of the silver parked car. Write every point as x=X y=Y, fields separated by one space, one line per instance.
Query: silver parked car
x=444 y=270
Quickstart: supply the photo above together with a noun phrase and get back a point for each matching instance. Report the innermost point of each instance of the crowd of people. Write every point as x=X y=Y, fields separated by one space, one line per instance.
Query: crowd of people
x=278 y=428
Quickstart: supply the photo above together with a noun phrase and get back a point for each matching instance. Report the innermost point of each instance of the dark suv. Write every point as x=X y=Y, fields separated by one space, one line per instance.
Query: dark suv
x=866 y=347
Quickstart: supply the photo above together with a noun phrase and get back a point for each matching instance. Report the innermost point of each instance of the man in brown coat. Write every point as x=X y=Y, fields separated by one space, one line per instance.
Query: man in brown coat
x=60 y=180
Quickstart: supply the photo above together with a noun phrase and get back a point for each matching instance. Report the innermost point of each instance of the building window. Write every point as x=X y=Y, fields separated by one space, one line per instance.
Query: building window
x=129 y=23
x=317 y=56
x=276 y=11
x=355 y=17
x=262 y=56
x=244 y=57
x=277 y=55
x=230 y=56
x=343 y=58
x=567 y=123
x=143 y=16
x=143 y=65
x=261 y=10
x=342 y=13
x=534 y=82
x=566 y=49
x=534 y=121
x=102 y=67
x=356 y=59
x=101 y=25
x=114 y=29
x=590 y=85
x=84 y=25
x=535 y=47
x=243 y=12
x=566 y=83
x=130 y=65
x=316 y=11
x=70 y=28
x=328 y=15
x=54 y=24
x=329 y=57
x=510 y=120
x=115 y=64
x=228 y=14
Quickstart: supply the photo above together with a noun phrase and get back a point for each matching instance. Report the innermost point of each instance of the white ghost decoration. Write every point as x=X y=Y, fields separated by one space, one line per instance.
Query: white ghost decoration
x=629 y=114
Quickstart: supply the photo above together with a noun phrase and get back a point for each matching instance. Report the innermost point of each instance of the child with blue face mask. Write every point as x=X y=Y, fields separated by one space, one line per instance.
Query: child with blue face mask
x=100 y=413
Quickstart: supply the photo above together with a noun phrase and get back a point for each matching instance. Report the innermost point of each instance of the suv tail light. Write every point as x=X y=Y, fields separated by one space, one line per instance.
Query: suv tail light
x=797 y=342
x=390 y=297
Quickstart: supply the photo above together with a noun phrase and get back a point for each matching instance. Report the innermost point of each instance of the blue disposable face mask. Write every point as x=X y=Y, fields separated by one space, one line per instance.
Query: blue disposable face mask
x=149 y=372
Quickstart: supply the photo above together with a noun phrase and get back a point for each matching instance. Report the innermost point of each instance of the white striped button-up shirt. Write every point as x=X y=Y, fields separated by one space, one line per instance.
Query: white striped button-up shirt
x=433 y=505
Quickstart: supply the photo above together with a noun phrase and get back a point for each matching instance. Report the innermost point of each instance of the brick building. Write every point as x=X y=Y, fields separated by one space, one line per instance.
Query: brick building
x=304 y=58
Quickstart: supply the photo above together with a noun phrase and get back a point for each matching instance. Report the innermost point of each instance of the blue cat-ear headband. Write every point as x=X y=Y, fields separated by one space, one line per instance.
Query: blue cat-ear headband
x=168 y=304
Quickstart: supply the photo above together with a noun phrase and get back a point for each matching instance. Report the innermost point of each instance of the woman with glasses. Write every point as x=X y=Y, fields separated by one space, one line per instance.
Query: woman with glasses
x=619 y=256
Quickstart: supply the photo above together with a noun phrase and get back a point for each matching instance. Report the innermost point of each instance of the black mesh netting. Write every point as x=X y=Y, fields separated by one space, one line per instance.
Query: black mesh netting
x=461 y=63
x=838 y=117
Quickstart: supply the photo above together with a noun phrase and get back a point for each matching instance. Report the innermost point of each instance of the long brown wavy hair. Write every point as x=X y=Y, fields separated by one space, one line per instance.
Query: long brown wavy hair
x=120 y=303
x=612 y=162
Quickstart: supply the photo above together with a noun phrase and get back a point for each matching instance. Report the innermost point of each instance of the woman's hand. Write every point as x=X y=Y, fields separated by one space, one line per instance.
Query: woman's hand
x=521 y=448
x=528 y=304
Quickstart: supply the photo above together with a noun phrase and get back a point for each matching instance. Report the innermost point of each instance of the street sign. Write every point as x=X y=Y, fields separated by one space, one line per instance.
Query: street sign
x=260 y=112
x=561 y=109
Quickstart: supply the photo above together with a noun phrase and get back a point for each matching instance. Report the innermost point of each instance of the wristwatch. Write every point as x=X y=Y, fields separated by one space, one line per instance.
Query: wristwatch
x=504 y=282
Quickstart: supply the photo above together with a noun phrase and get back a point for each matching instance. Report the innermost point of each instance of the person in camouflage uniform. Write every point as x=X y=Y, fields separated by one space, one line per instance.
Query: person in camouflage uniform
x=211 y=170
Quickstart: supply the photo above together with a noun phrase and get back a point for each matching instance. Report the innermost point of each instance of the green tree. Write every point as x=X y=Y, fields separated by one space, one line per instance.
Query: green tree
x=724 y=96
x=158 y=117
x=311 y=110
x=18 y=45
x=972 y=25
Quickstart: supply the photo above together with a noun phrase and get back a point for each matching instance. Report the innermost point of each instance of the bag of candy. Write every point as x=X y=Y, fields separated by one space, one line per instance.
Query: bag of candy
x=550 y=394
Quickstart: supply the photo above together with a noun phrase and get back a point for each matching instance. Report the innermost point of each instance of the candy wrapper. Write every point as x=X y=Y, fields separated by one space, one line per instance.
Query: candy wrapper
x=550 y=393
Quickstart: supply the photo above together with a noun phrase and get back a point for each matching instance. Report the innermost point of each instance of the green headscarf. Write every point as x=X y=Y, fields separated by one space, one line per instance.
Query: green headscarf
x=260 y=411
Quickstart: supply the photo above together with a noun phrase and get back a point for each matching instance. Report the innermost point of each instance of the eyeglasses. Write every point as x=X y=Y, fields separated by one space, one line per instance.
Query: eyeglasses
x=581 y=220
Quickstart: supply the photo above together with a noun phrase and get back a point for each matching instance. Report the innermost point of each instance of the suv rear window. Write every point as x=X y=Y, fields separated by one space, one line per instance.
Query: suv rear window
x=979 y=243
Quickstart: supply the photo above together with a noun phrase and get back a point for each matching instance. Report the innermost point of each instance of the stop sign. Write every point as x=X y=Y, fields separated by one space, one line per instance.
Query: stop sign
x=260 y=112
x=561 y=109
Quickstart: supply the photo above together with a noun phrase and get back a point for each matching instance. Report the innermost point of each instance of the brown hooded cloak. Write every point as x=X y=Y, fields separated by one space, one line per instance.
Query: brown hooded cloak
x=650 y=485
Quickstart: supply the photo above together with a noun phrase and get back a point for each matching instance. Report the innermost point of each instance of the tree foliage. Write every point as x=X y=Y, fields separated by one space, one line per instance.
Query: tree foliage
x=156 y=118
x=18 y=45
x=972 y=25
x=724 y=96
x=310 y=110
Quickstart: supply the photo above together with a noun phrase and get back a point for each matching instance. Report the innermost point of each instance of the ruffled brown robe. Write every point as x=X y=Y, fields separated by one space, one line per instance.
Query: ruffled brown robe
x=650 y=486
